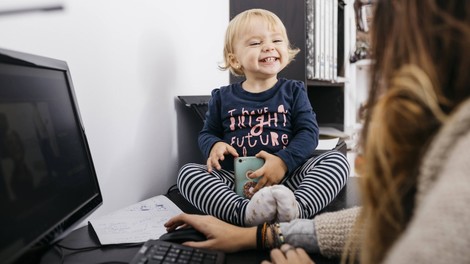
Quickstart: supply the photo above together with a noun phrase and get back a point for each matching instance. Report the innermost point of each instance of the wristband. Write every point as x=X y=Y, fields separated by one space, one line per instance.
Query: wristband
x=259 y=238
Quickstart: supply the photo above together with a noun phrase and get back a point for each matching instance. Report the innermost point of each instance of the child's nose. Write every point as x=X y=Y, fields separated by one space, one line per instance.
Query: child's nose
x=268 y=47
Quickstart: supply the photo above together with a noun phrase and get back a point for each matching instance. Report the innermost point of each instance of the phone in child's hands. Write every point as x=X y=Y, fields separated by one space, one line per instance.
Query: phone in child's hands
x=242 y=167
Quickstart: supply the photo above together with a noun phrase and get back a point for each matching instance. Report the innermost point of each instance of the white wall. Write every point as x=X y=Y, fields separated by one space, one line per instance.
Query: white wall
x=129 y=60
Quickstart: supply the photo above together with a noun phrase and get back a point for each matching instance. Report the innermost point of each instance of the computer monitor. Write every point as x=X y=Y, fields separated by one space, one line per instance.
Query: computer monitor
x=48 y=182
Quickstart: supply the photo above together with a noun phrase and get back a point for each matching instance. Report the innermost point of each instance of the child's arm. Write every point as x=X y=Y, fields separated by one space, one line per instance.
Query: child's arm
x=218 y=152
x=305 y=131
x=212 y=133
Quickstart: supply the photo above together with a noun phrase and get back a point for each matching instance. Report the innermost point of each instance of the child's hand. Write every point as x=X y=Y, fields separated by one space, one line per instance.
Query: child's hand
x=218 y=152
x=273 y=170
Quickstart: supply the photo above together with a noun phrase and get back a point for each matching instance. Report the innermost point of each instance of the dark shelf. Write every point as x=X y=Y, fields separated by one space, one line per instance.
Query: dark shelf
x=324 y=83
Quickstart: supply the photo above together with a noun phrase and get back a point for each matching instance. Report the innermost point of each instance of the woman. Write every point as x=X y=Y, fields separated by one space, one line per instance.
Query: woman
x=415 y=141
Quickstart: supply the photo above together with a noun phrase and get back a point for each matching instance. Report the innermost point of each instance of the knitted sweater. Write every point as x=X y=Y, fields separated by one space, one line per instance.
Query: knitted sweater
x=439 y=231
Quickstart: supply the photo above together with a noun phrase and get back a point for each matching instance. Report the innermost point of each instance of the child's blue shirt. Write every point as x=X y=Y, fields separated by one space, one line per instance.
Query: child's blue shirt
x=280 y=121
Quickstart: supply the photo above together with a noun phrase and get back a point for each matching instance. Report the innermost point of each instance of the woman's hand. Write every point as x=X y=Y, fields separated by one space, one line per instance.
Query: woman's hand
x=220 y=235
x=218 y=152
x=289 y=254
x=273 y=171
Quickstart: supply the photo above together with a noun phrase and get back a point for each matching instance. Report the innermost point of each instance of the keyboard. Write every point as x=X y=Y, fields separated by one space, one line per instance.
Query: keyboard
x=159 y=251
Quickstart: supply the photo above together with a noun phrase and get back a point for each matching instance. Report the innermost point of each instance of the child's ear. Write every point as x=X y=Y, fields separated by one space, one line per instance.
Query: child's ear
x=234 y=63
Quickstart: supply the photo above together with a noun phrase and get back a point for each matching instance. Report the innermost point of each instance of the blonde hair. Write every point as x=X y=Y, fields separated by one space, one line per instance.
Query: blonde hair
x=239 y=23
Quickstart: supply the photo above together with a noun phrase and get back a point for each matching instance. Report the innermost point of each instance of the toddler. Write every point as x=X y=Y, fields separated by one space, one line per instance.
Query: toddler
x=267 y=117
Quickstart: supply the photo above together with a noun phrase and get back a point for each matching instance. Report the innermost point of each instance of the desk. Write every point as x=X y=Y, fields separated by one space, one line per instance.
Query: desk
x=86 y=238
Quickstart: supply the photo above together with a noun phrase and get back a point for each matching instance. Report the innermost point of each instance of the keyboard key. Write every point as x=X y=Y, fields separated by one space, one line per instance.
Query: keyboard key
x=163 y=252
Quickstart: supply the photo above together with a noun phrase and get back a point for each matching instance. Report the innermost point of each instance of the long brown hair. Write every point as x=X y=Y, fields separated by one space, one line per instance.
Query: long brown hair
x=420 y=74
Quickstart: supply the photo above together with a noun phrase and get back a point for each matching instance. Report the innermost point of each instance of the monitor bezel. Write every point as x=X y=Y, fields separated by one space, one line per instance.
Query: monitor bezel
x=34 y=249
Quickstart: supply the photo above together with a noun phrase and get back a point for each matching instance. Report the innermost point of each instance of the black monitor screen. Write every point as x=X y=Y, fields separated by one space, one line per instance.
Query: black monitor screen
x=47 y=178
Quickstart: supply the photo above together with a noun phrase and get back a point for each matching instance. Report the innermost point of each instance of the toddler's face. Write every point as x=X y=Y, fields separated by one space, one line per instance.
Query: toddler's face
x=260 y=50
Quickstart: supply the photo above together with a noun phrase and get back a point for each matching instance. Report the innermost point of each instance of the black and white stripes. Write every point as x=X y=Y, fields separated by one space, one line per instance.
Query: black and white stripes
x=212 y=193
x=315 y=184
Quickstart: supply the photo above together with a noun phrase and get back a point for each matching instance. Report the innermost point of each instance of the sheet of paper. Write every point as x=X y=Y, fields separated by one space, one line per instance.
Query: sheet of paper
x=332 y=132
x=136 y=223
x=327 y=144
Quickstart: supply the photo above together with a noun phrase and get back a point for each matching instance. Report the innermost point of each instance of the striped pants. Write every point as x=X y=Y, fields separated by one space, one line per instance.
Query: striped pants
x=315 y=184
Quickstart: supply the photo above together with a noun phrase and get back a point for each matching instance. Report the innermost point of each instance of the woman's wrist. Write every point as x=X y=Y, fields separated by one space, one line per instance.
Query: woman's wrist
x=269 y=236
x=247 y=238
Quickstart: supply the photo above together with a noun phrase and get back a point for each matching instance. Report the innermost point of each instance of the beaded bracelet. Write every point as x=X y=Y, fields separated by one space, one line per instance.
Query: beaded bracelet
x=278 y=237
x=273 y=236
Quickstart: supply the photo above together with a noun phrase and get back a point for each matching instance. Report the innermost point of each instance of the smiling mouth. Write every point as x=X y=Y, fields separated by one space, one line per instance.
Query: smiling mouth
x=269 y=59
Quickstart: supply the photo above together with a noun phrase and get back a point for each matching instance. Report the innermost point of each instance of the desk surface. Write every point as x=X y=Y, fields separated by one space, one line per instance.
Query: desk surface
x=84 y=246
x=86 y=249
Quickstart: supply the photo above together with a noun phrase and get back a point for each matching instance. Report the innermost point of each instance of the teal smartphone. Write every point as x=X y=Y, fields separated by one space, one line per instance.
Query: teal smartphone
x=242 y=167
